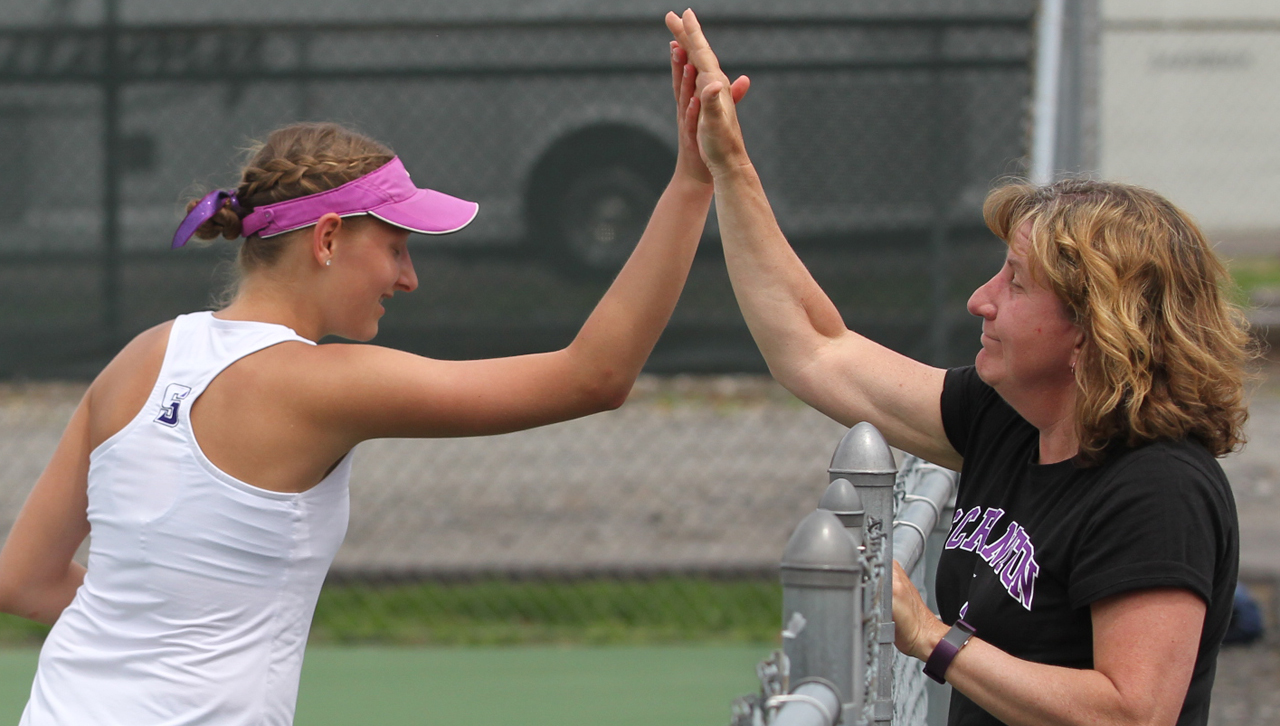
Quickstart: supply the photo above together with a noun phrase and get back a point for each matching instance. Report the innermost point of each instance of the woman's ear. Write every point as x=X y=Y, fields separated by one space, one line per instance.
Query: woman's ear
x=324 y=237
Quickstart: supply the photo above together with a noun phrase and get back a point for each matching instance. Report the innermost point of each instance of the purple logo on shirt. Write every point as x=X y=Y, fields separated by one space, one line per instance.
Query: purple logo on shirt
x=1012 y=556
x=174 y=395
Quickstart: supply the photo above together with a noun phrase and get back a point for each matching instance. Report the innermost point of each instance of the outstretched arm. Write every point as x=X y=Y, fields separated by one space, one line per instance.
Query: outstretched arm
x=386 y=393
x=797 y=327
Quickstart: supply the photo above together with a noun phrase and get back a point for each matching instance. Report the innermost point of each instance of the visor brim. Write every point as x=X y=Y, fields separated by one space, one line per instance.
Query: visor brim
x=428 y=212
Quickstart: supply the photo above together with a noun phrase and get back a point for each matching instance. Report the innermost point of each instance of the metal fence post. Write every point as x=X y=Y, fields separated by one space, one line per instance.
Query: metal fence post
x=864 y=459
x=842 y=500
x=111 y=307
x=822 y=613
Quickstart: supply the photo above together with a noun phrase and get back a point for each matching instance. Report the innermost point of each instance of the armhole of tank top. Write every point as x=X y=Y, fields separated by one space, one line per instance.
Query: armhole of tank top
x=134 y=422
x=216 y=471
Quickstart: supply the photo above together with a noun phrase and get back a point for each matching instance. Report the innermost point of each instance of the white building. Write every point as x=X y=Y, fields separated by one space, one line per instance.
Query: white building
x=1190 y=106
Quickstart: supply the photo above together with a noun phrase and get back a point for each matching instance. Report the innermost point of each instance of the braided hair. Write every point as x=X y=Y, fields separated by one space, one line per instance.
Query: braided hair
x=294 y=161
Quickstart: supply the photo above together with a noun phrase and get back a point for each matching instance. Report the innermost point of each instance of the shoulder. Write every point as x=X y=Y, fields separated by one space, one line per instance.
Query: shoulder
x=121 y=389
x=320 y=381
x=1177 y=482
x=1166 y=466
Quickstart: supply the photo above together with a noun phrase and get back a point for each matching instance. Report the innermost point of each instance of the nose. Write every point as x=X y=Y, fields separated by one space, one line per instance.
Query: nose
x=408 y=280
x=982 y=302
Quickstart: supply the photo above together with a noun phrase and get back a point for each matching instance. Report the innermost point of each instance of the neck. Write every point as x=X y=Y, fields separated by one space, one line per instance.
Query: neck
x=1059 y=442
x=1052 y=410
x=272 y=301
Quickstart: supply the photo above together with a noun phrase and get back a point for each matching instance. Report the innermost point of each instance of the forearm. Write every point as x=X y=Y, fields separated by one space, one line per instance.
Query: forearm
x=40 y=600
x=1020 y=692
x=788 y=314
x=617 y=338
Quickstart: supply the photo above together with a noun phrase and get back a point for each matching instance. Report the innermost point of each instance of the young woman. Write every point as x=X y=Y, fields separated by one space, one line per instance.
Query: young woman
x=209 y=461
x=1090 y=569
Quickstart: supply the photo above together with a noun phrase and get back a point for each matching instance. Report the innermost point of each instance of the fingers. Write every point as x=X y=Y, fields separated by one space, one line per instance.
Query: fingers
x=675 y=25
x=688 y=86
x=738 y=89
x=711 y=96
x=677 y=69
x=696 y=45
x=691 y=117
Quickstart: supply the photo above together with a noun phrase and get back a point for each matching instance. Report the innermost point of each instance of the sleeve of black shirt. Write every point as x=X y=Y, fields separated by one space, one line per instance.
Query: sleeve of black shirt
x=964 y=399
x=1158 y=522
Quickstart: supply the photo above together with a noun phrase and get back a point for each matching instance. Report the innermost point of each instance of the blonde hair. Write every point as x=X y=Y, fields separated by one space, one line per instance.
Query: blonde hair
x=1164 y=350
x=294 y=161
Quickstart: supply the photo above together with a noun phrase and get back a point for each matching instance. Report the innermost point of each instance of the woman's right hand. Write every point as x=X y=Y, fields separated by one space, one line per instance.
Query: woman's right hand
x=719 y=138
x=684 y=80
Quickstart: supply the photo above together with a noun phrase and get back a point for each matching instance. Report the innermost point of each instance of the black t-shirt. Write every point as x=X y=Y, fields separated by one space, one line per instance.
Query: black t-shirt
x=1033 y=545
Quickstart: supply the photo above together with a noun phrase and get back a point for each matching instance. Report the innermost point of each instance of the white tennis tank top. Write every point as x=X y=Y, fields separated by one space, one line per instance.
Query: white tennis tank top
x=201 y=587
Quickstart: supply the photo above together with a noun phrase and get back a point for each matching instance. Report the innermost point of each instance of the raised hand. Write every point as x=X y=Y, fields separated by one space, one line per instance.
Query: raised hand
x=709 y=109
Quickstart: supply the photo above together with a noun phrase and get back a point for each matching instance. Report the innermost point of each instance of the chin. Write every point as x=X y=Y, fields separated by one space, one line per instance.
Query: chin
x=983 y=365
x=362 y=334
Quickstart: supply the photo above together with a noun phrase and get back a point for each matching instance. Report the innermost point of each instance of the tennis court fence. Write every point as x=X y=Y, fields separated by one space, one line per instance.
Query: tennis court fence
x=838 y=663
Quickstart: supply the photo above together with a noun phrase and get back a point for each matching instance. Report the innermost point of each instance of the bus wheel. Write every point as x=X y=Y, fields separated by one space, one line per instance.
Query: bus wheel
x=590 y=198
x=602 y=213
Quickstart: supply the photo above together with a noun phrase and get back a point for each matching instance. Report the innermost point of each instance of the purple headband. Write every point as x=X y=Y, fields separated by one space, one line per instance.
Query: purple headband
x=386 y=193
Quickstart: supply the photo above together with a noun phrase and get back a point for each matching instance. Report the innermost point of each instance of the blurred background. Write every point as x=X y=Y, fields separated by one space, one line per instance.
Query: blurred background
x=625 y=563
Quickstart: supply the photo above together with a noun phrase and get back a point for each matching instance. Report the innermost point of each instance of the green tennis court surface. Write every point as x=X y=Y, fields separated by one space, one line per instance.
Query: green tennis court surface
x=529 y=685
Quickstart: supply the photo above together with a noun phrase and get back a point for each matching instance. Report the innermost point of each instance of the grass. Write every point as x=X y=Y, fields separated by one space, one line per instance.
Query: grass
x=507 y=612
x=589 y=611
x=1251 y=274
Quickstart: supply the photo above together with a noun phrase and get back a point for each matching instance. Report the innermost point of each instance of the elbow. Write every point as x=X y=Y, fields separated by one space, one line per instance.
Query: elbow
x=9 y=595
x=608 y=392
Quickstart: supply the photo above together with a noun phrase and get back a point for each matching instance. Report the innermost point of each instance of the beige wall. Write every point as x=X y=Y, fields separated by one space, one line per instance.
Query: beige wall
x=1190 y=105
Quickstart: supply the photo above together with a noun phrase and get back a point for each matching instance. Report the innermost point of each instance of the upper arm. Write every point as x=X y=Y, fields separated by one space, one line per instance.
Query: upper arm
x=373 y=392
x=852 y=378
x=1146 y=643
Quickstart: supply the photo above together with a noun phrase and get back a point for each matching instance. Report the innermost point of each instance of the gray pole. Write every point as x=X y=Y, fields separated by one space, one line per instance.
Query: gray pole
x=842 y=500
x=111 y=318
x=863 y=458
x=821 y=615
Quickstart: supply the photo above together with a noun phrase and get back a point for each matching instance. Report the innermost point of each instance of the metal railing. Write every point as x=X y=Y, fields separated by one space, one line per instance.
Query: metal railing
x=838 y=664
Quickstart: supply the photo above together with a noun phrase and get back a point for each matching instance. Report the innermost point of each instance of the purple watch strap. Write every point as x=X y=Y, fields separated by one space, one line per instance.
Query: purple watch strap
x=946 y=649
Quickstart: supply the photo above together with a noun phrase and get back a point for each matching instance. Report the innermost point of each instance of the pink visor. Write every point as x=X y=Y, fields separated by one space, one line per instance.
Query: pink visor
x=386 y=193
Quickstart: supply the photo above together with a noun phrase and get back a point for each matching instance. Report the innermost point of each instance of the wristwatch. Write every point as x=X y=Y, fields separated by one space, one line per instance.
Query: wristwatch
x=946 y=649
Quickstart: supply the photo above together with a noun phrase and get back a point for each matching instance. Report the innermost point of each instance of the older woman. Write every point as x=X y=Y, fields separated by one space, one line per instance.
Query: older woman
x=1091 y=564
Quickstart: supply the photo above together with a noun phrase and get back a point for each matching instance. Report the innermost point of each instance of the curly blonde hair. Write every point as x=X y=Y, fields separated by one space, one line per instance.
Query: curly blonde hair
x=1164 y=351
x=294 y=161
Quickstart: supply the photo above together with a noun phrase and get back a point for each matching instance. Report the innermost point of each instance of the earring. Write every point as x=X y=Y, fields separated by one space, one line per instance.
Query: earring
x=330 y=262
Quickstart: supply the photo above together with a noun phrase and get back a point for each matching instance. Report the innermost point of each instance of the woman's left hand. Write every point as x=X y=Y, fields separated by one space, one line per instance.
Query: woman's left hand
x=916 y=630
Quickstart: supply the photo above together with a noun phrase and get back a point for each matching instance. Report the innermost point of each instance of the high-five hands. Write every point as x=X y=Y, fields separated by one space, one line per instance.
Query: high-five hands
x=706 y=98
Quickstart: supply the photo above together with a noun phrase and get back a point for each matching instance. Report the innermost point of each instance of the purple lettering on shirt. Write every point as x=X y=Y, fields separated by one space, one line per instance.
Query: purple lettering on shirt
x=1024 y=581
x=979 y=536
x=1012 y=557
x=1020 y=555
x=997 y=552
x=961 y=520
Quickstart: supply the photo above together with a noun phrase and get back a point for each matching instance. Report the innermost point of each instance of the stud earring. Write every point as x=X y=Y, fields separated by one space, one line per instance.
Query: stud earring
x=328 y=263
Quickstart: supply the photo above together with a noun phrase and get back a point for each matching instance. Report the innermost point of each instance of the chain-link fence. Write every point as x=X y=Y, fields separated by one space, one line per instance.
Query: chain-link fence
x=877 y=130
x=877 y=127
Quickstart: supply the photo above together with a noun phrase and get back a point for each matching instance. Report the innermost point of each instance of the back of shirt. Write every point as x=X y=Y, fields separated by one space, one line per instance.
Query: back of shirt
x=1033 y=546
x=200 y=587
